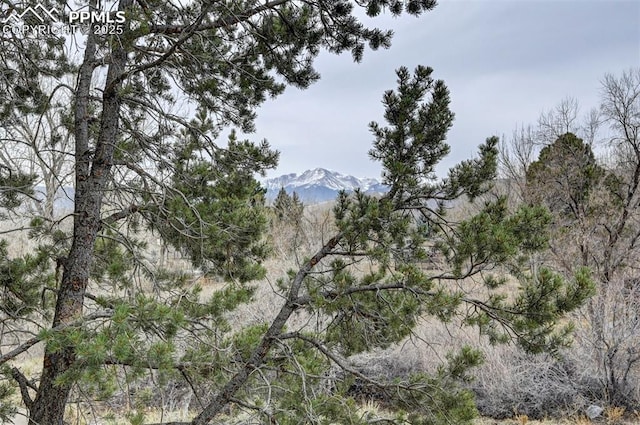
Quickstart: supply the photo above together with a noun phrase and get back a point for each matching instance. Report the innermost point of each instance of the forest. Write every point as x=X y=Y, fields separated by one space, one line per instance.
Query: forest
x=505 y=290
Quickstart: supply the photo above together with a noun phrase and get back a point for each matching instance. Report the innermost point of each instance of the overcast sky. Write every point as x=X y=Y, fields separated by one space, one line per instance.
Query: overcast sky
x=504 y=61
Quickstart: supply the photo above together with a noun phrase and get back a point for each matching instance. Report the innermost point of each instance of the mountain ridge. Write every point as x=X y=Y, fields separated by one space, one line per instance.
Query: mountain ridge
x=320 y=185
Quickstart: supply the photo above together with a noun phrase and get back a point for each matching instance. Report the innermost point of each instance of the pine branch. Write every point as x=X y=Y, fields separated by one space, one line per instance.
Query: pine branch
x=223 y=397
x=24 y=385
x=38 y=338
x=132 y=209
x=223 y=22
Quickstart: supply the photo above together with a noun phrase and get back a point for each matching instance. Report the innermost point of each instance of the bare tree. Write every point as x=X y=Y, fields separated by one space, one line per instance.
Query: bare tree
x=597 y=218
x=138 y=161
x=40 y=145
x=105 y=314
x=516 y=154
x=558 y=121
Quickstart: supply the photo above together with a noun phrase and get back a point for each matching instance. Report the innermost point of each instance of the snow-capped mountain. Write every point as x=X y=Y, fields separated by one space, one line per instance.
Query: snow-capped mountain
x=320 y=185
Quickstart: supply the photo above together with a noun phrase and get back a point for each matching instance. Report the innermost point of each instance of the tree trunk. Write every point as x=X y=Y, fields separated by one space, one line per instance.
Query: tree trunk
x=227 y=393
x=92 y=174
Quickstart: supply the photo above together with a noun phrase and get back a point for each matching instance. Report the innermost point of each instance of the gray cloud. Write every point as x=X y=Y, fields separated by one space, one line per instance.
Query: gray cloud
x=504 y=62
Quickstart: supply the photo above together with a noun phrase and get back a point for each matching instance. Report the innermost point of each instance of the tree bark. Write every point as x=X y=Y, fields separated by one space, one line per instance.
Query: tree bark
x=226 y=394
x=92 y=174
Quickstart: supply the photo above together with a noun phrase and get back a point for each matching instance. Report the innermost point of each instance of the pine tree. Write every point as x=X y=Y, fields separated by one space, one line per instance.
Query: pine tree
x=132 y=157
x=358 y=312
x=594 y=210
x=107 y=314
x=288 y=208
x=564 y=176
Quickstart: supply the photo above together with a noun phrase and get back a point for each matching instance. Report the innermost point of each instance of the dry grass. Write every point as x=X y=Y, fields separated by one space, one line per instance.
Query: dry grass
x=614 y=414
x=579 y=420
x=508 y=379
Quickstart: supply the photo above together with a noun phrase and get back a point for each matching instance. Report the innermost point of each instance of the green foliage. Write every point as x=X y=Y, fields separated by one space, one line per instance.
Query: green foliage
x=421 y=398
x=381 y=307
x=374 y=304
x=14 y=186
x=436 y=401
x=296 y=370
x=593 y=203
x=246 y=340
x=472 y=177
x=216 y=213
x=288 y=208
x=7 y=405
x=22 y=281
x=413 y=143
x=136 y=417
x=335 y=409
x=138 y=164
x=494 y=237
x=564 y=176
x=220 y=303
x=112 y=262
x=532 y=316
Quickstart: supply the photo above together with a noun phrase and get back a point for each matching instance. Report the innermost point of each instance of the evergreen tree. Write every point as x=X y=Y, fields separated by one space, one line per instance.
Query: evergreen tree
x=107 y=316
x=564 y=176
x=114 y=93
x=288 y=208
x=353 y=312
x=595 y=222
